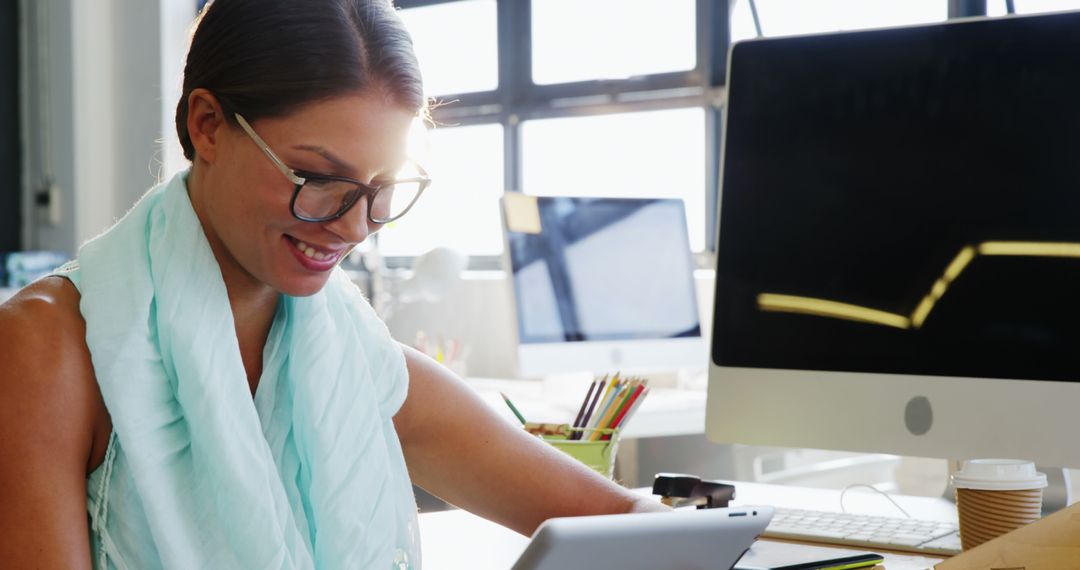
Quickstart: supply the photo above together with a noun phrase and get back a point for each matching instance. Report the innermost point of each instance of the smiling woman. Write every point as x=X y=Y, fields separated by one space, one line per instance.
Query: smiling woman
x=207 y=385
x=356 y=144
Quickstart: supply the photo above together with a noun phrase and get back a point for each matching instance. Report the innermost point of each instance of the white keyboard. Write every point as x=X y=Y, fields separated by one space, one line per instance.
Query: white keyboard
x=909 y=535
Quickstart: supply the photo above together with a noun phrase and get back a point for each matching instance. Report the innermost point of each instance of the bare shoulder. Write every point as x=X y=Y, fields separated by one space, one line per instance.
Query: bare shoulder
x=47 y=377
x=42 y=331
x=52 y=298
x=50 y=412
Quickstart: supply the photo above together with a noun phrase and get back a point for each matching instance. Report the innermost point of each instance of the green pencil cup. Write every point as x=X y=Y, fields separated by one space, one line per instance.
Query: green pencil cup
x=598 y=455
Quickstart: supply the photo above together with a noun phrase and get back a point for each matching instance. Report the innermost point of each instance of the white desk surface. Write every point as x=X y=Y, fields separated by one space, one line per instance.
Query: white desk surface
x=457 y=539
x=666 y=411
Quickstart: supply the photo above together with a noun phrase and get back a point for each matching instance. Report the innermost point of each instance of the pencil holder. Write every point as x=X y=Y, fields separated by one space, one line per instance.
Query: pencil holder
x=598 y=455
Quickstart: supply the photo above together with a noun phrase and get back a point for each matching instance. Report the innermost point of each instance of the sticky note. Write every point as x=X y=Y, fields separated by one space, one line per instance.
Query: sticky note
x=522 y=213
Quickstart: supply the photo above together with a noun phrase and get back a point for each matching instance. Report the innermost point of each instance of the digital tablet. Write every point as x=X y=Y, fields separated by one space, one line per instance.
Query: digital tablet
x=684 y=539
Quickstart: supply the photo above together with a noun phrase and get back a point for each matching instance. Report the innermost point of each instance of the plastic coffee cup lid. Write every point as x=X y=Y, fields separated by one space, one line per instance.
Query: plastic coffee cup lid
x=998 y=475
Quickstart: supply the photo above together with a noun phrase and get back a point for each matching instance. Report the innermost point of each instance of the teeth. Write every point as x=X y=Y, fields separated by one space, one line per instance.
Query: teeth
x=310 y=251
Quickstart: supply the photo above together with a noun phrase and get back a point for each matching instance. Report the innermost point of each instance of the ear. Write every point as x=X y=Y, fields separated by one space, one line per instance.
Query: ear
x=205 y=122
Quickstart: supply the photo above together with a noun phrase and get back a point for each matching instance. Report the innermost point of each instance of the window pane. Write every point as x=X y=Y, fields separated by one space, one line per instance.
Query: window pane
x=997 y=7
x=788 y=17
x=647 y=154
x=456 y=44
x=577 y=40
x=461 y=207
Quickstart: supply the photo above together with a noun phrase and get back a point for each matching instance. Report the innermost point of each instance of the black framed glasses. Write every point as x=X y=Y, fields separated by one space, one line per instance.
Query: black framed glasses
x=321 y=197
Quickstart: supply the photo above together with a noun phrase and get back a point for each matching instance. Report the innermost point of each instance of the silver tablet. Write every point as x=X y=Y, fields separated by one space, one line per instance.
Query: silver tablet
x=684 y=540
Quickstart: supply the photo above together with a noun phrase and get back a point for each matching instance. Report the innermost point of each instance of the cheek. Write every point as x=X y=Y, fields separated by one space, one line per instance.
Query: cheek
x=260 y=201
x=249 y=212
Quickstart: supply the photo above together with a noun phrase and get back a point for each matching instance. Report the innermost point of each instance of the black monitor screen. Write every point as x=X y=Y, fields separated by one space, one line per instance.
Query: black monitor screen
x=904 y=201
x=603 y=269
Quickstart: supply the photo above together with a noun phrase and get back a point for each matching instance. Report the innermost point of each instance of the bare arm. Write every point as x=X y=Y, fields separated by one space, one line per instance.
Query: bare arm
x=48 y=407
x=458 y=448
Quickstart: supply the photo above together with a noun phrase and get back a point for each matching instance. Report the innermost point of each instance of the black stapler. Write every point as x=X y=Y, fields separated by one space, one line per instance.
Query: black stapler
x=681 y=490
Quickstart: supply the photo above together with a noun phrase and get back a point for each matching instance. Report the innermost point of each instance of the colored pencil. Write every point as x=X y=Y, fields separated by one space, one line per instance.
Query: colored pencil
x=620 y=407
x=592 y=406
x=513 y=408
x=613 y=407
x=585 y=402
x=605 y=403
x=634 y=407
x=631 y=403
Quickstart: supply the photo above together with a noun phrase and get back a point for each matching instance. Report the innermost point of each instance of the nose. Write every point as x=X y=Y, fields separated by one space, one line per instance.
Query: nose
x=354 y=225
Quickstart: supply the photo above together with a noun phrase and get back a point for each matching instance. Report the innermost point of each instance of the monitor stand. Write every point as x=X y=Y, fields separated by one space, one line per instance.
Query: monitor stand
x=1058 y=493
x=1056 y=496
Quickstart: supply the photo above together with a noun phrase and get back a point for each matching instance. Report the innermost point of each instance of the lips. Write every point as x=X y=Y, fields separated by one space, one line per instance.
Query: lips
x=313 y=257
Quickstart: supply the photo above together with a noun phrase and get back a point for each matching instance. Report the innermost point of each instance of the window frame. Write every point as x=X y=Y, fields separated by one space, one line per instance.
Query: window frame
x=517 y=98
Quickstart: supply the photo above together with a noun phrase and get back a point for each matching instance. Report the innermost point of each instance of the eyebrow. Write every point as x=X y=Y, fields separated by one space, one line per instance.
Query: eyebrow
x=334 y=159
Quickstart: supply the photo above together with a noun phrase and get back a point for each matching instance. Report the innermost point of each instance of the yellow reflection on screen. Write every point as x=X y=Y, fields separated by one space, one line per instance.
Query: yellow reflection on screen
x=833 y=309
x=774 y=302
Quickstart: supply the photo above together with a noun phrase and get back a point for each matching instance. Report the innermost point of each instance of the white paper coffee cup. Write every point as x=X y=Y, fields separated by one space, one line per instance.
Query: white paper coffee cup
x=996 y=496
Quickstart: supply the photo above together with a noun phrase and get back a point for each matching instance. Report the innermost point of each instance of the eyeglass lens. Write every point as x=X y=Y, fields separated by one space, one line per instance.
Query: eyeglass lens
x=323 y=199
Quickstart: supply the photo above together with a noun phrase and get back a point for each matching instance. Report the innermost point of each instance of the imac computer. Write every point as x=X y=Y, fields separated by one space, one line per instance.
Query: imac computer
x=601 y=285
x=898 y=256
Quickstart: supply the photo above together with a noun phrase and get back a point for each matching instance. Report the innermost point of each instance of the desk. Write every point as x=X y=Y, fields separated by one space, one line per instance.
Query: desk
x=457 y=539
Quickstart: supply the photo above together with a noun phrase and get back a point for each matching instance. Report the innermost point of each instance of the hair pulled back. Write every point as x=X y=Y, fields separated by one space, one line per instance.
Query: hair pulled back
x=266 y=58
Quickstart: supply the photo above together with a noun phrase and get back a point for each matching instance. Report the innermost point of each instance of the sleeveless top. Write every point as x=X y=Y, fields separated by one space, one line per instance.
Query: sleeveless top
x=119 y=531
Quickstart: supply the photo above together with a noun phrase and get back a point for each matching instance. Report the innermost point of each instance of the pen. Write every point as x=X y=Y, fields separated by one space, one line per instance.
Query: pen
x=513 y=408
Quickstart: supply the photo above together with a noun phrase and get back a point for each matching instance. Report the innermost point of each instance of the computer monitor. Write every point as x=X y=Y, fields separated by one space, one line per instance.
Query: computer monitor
x=601 y=285
x=898 y=257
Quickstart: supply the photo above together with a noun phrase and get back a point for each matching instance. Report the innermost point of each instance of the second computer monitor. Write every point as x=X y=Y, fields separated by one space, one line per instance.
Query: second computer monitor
x=899 y=245
x=602 y=284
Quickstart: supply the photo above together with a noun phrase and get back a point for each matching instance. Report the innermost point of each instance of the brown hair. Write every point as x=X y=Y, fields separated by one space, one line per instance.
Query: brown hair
x=266 y=58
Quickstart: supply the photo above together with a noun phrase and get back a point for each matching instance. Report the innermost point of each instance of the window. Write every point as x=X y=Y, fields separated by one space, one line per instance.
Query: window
x=461 y=208
x=643 y=154
x=456 y=45
x=789 y=17
x=610 y=39
x=578 y=91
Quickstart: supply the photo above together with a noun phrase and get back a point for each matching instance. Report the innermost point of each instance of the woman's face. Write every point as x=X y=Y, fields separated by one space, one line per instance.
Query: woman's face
x=246 y=203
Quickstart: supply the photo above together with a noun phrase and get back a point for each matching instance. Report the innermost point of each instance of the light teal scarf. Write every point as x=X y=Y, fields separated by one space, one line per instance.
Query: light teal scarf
x=318 y=480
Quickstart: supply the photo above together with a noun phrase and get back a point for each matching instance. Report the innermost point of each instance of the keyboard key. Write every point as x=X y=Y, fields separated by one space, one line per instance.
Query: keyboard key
x=907 y=539
x=797 y=532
